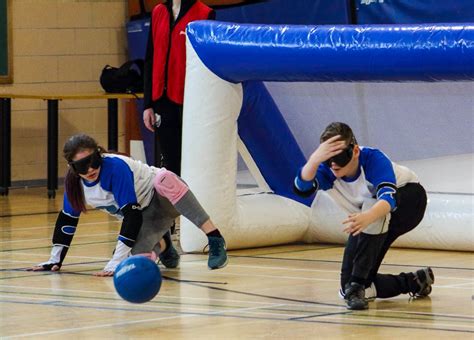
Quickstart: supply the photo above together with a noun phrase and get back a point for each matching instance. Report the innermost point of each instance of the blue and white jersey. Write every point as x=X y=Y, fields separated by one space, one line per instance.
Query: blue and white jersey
x=122 y=180
x=377 y=177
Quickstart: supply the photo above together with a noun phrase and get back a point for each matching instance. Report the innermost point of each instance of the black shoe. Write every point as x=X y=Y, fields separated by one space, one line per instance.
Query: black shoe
x=424 y=279
x=370 y=293
x=355 y=296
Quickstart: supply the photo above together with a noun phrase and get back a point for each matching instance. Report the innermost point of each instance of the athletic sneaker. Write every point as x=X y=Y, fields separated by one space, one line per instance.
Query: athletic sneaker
x=424 y=278
x=217 y=253
x=355 y=296
x=370 y=293
x=170 y=257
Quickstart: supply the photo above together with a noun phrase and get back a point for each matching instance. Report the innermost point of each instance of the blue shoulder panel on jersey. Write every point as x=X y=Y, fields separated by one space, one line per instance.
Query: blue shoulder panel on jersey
x=379 y=172
x=117 y=177
x=429 y=52
x=67 y=208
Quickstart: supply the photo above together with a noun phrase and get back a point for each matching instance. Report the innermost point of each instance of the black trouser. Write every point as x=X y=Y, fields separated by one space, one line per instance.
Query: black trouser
x=169 y=134
x=410 y=212
x=360 y=255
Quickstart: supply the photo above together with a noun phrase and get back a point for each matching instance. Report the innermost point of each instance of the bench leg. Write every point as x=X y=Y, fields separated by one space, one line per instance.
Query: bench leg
x=52 y=147
x=5 y=146
x=112 y=120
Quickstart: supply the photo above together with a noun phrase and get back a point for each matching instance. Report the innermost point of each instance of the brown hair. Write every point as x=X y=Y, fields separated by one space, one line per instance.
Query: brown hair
x=338 y=128
x=72 y=182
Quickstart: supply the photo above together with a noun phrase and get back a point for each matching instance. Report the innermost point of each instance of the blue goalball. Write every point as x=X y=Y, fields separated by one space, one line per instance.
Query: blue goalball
x=137 y=279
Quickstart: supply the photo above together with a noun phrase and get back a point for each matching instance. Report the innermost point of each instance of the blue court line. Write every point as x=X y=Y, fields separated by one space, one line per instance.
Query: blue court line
x=259 y=295
x=163 y=276
x=47 y=272
x=25 y=269
x=90 y=272
x=264 y=257
x=301 y=250
x=192 y=281
x=319 y=315
x=49 y=246
x=30 y=214
x=226 y=315
x=203 y=285
x=305 y=301
x=427 y=316
x=39 y=213
x=66 y=265
x=455 y=317
x=156 y=303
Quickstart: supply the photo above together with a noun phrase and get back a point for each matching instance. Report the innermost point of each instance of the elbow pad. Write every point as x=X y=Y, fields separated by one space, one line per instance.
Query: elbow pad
x=131 y=224
x=64 y=229
x=304 y=188
x=388 y=192
x=62 y=237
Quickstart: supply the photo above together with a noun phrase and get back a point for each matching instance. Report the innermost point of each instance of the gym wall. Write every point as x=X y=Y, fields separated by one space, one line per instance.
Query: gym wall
x=61 y=46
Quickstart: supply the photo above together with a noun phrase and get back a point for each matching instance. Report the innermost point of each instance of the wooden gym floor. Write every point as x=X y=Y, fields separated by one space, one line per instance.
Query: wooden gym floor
x=283 y=292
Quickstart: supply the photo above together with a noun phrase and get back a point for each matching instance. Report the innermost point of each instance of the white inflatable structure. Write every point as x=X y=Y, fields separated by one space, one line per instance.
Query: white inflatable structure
x=227 y=110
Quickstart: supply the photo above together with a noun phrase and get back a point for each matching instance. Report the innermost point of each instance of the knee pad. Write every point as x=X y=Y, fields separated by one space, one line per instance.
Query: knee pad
x=169 y=185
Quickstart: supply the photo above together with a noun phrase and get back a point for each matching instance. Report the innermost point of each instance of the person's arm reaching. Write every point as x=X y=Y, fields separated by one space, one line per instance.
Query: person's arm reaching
x=131 y=224
x=63 y=233
x=121 y=183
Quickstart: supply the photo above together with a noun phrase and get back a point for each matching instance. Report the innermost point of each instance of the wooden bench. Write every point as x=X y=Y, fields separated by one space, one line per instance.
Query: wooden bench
x=52 y=134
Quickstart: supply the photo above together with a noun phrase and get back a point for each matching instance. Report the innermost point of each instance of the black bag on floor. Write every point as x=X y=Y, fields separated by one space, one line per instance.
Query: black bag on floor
x=127 y=78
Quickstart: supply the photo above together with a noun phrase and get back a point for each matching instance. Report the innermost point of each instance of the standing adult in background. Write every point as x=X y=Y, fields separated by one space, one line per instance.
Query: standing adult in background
x=165 y=68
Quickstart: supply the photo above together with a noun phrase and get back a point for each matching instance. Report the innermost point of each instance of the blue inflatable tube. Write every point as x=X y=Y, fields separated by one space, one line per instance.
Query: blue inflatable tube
x=241 y=52
x=270 y=142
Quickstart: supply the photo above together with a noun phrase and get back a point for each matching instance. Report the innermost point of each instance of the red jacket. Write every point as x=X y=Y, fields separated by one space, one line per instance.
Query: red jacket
x=169 y=49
